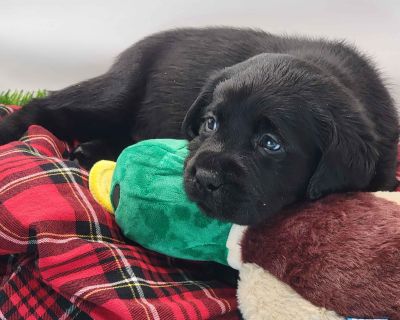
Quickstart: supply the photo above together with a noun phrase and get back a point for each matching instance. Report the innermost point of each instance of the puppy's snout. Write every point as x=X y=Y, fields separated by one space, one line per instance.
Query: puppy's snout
x=207 y=180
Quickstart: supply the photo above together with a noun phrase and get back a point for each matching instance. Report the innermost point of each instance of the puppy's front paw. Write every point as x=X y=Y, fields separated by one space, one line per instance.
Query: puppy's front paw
x=82 y=155
x=88 y=153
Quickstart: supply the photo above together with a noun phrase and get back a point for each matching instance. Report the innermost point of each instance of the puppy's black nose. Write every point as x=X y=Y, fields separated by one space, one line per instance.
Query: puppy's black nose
x=208 y=180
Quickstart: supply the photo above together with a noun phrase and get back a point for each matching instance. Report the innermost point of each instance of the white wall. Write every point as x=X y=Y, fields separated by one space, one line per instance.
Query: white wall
x=53 y=43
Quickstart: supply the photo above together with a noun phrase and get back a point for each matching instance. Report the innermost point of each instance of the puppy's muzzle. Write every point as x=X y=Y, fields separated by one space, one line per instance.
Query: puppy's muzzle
x=210 y=172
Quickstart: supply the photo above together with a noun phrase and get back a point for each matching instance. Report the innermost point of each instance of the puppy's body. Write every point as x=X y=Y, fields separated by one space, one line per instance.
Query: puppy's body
x=325 y=102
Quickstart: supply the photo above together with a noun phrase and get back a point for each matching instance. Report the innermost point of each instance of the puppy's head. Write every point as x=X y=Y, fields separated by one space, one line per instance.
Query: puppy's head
x=269 y=131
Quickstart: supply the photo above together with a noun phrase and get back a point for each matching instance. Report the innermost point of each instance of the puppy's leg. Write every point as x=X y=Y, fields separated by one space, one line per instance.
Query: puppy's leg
x=88 y=153
x=97 y=108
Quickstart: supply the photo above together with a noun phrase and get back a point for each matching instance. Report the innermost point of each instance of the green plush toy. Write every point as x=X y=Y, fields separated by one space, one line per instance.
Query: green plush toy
x=144 y=189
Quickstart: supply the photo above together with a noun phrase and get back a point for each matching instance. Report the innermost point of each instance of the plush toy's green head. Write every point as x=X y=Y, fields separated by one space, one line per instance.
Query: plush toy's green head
x=145 y=190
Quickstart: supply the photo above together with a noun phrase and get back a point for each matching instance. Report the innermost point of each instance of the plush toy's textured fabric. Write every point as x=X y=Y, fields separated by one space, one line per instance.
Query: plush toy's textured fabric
x=262 y=296
x=153 y=208
x=63 y=257
x=341 y=253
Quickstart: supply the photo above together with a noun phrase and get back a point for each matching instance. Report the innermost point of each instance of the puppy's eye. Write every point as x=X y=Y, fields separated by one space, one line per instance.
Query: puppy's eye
x=270 y=143
x=211 y=124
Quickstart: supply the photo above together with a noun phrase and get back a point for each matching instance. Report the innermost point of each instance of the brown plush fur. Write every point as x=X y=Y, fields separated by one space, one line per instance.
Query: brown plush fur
x=341 y=253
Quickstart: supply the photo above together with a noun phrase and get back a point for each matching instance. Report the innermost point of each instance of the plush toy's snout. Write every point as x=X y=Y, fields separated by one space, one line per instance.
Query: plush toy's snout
x=100 y=183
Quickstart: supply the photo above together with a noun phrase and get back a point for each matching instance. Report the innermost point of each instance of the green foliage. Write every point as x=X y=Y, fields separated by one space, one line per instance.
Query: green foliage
x=20 y=97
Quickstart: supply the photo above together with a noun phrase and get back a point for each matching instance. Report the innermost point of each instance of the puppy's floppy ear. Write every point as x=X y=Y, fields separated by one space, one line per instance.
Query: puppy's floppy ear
x=348 y=161
x=192 y=120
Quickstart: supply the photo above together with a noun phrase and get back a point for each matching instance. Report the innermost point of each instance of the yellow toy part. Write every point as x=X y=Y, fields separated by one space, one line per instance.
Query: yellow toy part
x=100 y=177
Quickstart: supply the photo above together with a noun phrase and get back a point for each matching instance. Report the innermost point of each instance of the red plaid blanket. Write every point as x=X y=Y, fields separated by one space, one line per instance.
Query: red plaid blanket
x=63 y=257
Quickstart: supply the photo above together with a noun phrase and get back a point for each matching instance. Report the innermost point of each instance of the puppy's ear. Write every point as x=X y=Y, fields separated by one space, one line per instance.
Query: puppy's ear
x=347 y=163
x=193 y=118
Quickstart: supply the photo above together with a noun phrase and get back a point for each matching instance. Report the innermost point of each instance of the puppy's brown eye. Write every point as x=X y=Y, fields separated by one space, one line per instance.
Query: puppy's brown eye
x=211 y=124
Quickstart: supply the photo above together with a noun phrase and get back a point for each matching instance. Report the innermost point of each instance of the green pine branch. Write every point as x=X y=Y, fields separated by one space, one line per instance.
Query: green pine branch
x=20 y=97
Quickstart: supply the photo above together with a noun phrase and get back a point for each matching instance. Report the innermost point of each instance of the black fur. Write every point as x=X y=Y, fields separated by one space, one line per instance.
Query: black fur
x=323 y=101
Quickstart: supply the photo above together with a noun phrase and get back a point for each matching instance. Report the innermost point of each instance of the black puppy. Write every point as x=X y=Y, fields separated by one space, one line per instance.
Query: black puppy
x=274 y=119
